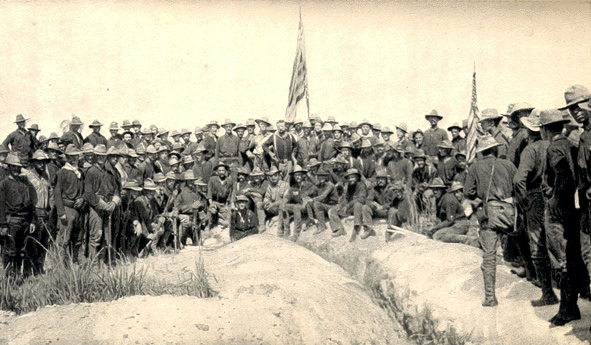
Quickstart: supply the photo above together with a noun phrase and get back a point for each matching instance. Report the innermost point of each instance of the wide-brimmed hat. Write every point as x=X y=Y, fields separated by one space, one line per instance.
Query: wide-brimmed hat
x=198 y=130
x=13 y=159
x=574 y=95
x=171 y=175
x=337 y=128
x=490 y=114
x=151 y=149
x=53 y=146
x=363 y=122
x=250 y=122
x=178 y=147
x=381 y=173
x=149 y=184
x=221 y=164
x=72 y=150
x=272 y=171
x=377 y=127
x=437 y=183
x=34 y=127
x=346 y=145
x=188 y=159
x=523 y=106
x=299 y=169
x=241 y=198
x=434 y=114
x=445 y=144
x=239 y=126
x=298 y=120
x=140 y=149
x=353 y=125
x=200 y=148
x=42 y=139
x=39 y=155
x=87 y=148
x=163 y=148
x=455 y=186
x=455 y=125
x=379 y=142
x=159 y=177
x=306 y=124
x=162 y=131
x=327 y=127
x=387 y=130
x=173 y=160
x=136 y=123
x=532 y=122
x=95 y=123
x=76 y=121
x=243 y=171
x=126 y=123
x=131 y=153
x=146 y=131
x=20 y=118
x=352 y=171
x=133 y=185
x=188 y=175
x=113 y=126
x=313 y=162
x=113 y=151
x=175 y=133
x=331 y=120
x=199 y=182
x=419 y=154
x=257 y=172
x=339 y=160
x=322 y=172
x=213 y=123
x=154 y=129
x=263 y=119
x=486 y=142
x=100 y=150
x=552 y=116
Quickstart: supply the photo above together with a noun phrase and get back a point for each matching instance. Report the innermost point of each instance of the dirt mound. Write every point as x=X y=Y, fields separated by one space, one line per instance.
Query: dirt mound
x=435 y=291
x=270 y=291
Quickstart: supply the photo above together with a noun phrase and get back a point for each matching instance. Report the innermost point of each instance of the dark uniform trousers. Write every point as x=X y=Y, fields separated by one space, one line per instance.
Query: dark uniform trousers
x=13 y=245
x=360 y=217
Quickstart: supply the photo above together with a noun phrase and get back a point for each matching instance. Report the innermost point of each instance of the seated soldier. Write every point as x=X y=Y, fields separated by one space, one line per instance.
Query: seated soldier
x=257 y=186
x=183 y=204
x=401 y=209
x=454 y=224
x=351 y=203
x=243 y=222
x=379 y=200
x=421 y=176
x=296 y=200
x=219 y=195
x=273 y=199
x=326 y=197
x=200 y=212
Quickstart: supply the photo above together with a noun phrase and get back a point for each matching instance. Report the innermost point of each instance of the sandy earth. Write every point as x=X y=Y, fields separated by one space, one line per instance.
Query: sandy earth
x=446 y=279
x=270 y=291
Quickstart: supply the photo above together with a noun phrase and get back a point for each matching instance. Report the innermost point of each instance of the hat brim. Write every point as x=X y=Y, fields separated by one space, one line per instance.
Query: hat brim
x=239 y=127
x=365 y=123
x=435 y=116
x=95 y=125
x=445 y=147
x=355 y=173
x=436 y=186
x=530 y=125
x=419 y=157
x=23 y=120
x=480 y=149
x=452 y=127
x=491 y=118
x=272 y=172
x=562 y=121
x=453 y=190
x=263 y=121
x=303 y=171
x=221 y=165
x=570 y=104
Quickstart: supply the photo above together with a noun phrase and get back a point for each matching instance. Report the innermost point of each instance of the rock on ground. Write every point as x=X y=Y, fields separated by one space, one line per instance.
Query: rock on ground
x=269 y=291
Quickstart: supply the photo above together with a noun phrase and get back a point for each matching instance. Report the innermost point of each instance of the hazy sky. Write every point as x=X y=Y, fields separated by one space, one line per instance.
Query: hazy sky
x=180 y=64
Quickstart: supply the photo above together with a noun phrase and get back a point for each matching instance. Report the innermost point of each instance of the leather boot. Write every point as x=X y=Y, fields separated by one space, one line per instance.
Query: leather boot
x=369 y=231
x=354 y=233
x=490 y=300
x=568 y=309
x=543 y=273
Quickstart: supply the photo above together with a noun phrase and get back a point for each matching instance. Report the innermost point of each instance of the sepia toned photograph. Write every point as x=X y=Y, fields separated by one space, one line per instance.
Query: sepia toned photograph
x=295 y=172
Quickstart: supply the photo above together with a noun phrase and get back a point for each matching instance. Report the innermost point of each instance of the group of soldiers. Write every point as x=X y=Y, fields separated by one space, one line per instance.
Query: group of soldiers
x=146 y=189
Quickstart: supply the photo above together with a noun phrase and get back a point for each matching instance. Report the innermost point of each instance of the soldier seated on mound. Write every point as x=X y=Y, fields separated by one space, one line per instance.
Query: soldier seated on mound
x=401 y=209
x=243 y=221
x=454 y=224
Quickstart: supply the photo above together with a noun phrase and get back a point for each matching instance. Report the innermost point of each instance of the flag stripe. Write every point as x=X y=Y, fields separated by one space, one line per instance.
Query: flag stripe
x=473 y=118
x=298 y=87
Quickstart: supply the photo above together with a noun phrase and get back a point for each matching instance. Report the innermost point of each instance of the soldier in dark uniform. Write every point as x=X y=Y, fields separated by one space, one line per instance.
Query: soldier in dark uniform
x=73 y=136
x=95 y=138
x=20 y=141
x=243 y=221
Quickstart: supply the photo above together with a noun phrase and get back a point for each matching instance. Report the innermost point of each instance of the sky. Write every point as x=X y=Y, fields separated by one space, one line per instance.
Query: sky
x=180 y=64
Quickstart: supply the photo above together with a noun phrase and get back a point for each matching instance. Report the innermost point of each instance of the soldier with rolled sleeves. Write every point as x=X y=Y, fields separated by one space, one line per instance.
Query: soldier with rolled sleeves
x=379 y=200
x=20 y=141
x=498 y=174
x=98 y=193
x=561 y=219
x=281 y=148
x=17 y=215
x=434 y=135
x=70 y=204
x=95 y=138
x=351 y=203
x=73 y=136
x=490 y=120
x=528 y=182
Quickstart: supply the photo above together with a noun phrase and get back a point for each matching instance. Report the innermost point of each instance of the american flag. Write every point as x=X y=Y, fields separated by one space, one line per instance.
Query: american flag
x=298 y=88
x=473 y=119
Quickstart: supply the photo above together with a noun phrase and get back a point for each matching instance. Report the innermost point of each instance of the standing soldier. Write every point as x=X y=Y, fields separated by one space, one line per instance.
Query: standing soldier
x=280 y=146
x=210 y=138
x=38 y=240
x=227 y=147
x=70 y=204
x=4 y=151
x=457 y=141
x=17 y=215
x=115 y=139
x=561 y=218
x=95 y=138
x=489 y=179
x=20 y=140
x=434 y=135
x=490 y=120
x=97 y=192
x=73 y=136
